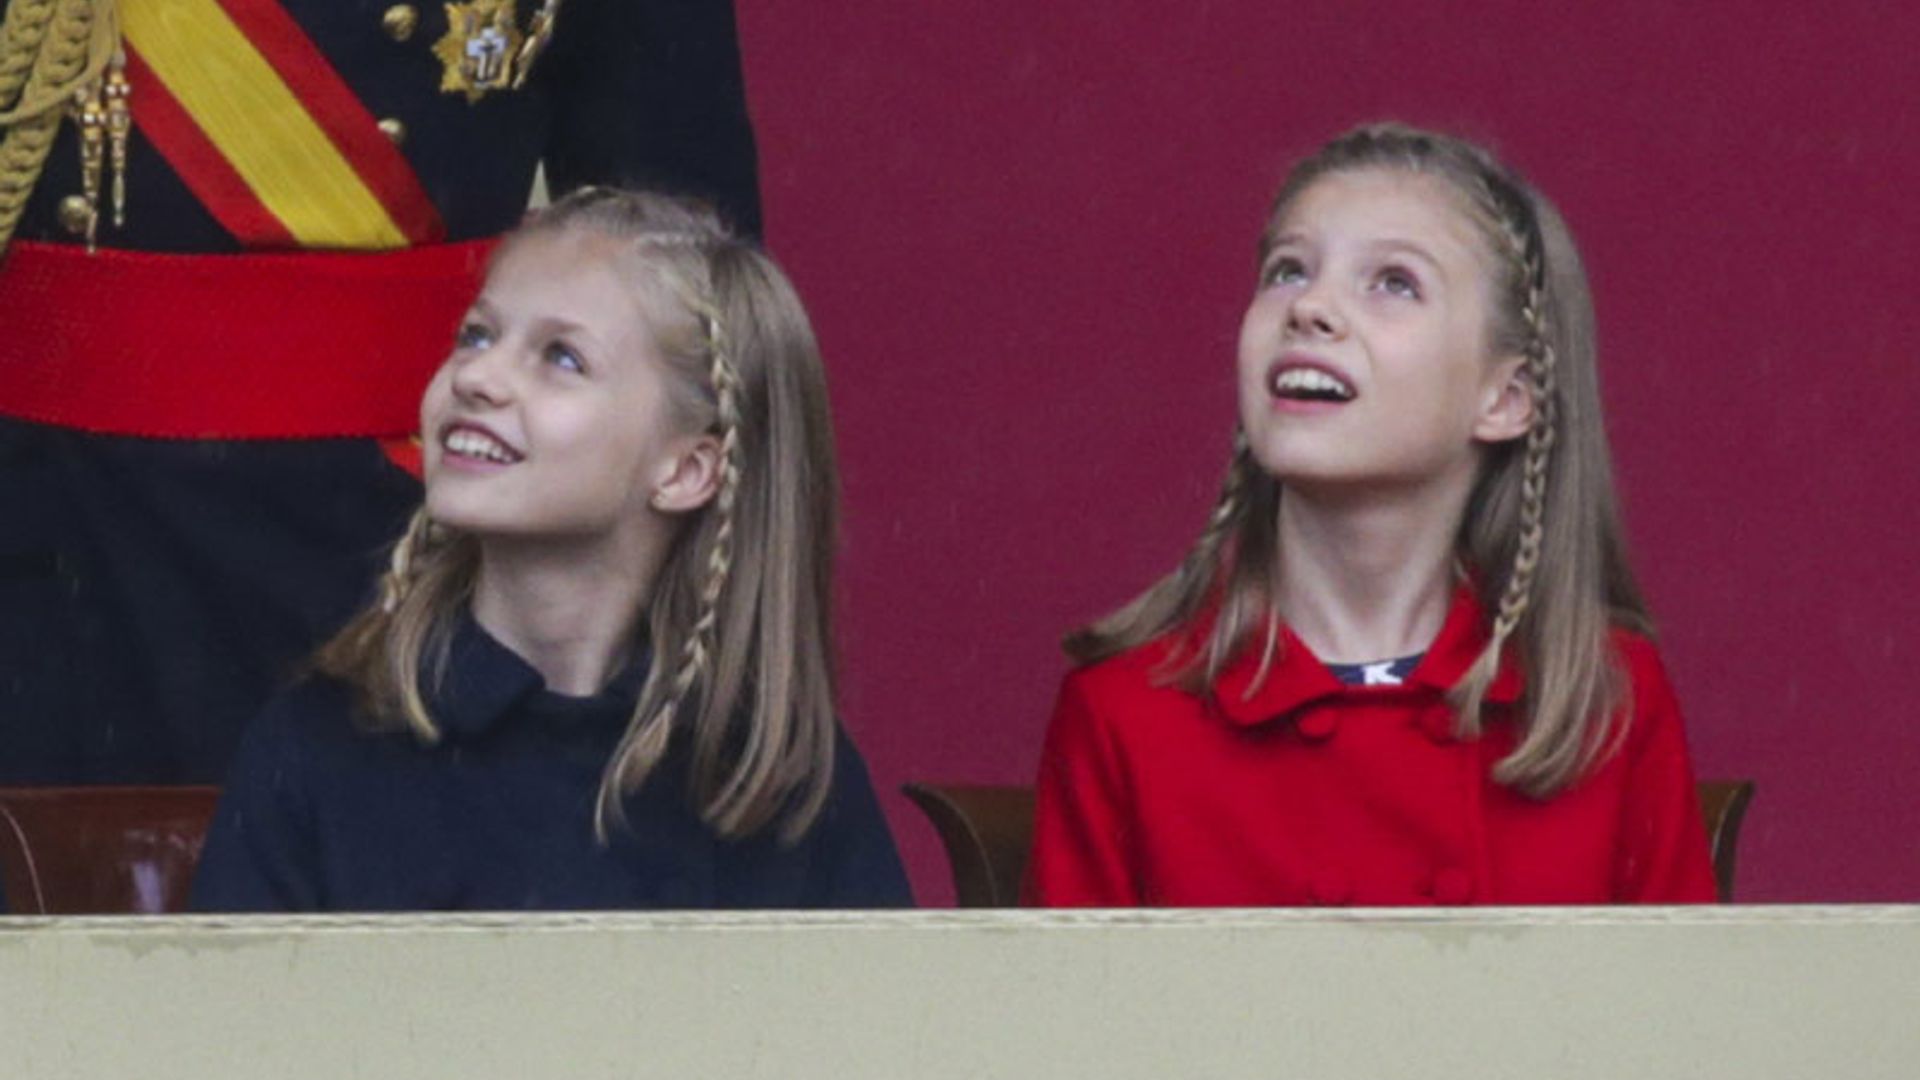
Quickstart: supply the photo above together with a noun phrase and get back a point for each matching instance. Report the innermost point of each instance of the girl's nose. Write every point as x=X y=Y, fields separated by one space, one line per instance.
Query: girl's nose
x=1312 y=314
x=482 y=378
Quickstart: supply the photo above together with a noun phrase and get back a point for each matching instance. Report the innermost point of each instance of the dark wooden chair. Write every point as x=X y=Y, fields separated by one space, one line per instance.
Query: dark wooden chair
x=1723 y=805
x=987 y=830
x=101 y=850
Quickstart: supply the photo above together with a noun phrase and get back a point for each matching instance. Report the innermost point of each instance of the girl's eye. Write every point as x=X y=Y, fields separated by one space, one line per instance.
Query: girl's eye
x=1286 y=270
x=473 y=336
x=562 y=356
x=1399 y=283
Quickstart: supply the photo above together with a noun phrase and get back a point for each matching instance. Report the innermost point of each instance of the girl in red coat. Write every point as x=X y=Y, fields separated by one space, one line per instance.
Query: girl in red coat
x=1406 y=662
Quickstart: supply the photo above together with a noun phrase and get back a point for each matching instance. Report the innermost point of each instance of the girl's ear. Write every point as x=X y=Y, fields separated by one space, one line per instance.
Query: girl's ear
x=690 y=478
x=1506 y=403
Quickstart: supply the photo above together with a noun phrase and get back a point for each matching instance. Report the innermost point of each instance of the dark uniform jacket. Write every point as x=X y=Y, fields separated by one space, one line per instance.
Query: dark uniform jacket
x=154 y=590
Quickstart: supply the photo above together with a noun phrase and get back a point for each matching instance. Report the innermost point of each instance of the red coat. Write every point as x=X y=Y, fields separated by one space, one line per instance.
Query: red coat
x=1316 y=792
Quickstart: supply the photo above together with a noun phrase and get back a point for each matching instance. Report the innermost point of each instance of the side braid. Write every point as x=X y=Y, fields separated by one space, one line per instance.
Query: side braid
x=1525 y=249
x=1176 y=599
x=1518 y=228
x=399 y=578
x=1228 y=508
x=695 y=656
x=402 y=576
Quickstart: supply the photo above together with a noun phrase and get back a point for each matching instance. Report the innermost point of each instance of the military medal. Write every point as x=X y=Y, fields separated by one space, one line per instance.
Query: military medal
x=483 y=39
x=484 y=49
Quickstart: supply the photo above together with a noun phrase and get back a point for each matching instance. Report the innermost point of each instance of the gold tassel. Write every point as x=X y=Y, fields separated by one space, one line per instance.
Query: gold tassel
x=119 y=125
x=90 y=112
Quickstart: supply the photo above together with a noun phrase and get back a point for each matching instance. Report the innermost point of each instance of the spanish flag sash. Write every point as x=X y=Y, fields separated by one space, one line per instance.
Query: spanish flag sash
x=333 y=321
x=264 y=132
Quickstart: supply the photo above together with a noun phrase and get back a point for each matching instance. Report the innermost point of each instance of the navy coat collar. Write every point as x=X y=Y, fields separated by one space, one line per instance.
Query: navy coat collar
x=484 y=682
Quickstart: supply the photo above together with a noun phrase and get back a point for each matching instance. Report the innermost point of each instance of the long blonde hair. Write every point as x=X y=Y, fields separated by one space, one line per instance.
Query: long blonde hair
x=1541 y=537
x=740 y=620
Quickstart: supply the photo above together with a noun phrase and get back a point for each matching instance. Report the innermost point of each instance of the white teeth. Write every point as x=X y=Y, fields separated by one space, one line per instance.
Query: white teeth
x=1307 y=380
x=470 y=443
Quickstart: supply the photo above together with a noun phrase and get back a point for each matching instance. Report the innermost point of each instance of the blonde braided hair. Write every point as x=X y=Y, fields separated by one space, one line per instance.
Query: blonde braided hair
x=739 y=620
x=49 y=50
x=1523 y=251
x=648 y=740
x=1207 y=572
x=1541 y=537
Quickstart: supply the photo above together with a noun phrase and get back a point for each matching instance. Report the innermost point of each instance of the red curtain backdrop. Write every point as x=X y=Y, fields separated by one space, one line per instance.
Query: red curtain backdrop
x=1026 y=231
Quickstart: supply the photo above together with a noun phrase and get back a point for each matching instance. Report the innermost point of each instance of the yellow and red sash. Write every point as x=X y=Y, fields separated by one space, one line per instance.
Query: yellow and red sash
x=264 y=132
x=335 y=337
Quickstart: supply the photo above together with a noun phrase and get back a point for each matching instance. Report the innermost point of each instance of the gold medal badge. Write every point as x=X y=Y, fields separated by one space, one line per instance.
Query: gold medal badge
x=480 y=48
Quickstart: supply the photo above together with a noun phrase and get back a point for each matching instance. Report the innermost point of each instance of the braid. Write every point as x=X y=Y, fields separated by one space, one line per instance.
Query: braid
x=695 y=656
x=20 y=38
x=23 y=152
x=399 y=579
x=1518 y=229
x=1230 y=506
x=1203 y=567
x=48 y=50
x=1525 y=246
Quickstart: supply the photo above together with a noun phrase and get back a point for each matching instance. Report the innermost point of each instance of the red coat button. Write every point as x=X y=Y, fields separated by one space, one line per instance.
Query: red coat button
x=1452 y=886
x=1317 y=726
x=1330 y=888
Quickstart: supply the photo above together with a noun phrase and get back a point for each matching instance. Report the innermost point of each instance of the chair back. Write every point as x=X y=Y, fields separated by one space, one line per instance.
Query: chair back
x=101 y=850
x=987 y=830
x=1723 y=806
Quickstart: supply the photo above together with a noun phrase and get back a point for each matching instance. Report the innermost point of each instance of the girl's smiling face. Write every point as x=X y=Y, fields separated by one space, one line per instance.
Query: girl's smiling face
x=556 y=416
x=1364 y=356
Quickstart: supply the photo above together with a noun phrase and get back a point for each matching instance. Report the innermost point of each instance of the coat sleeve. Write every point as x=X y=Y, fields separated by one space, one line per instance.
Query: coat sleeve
x=261 y=853
x=1083 y=813
x=1662 y=857
x=649 y=93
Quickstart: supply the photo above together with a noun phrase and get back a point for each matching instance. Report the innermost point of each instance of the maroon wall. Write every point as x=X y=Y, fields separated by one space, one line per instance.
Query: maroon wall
x=1025 y=232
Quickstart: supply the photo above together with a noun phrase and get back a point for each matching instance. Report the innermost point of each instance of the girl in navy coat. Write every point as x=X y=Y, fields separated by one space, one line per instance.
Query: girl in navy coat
x=1406 y=663
x=598 y=673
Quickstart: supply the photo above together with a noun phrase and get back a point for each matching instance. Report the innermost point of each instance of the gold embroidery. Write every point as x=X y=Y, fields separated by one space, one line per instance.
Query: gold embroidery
x=483 y=38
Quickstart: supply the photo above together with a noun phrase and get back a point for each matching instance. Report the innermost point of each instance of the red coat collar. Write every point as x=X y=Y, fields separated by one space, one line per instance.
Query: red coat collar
x=1296 y=677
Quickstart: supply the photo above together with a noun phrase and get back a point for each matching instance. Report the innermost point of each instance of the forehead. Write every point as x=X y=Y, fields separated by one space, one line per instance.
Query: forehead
x=1382 y=204
x=571 y=274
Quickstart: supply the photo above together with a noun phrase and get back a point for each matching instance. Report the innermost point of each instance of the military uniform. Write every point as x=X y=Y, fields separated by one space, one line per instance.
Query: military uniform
x=198 y=422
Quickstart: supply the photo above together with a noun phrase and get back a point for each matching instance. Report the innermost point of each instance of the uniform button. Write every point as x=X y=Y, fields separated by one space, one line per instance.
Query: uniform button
x=1438 y=725
x=394 y=130
x=400 y=21
x=75 y=213
x=1330 y=888
x=1317 y=726
x=1452 y=886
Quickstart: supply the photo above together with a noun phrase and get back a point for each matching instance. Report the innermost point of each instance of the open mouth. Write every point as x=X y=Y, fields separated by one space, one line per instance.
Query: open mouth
x=1302 y=382
x=478 y=444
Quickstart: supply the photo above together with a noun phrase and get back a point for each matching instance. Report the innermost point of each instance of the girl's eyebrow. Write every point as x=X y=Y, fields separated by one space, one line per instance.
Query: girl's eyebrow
x=561 y=326
x=1401 y=246
x=1385 y=244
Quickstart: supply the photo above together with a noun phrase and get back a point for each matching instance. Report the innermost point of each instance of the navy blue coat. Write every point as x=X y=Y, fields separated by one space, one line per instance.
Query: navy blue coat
x=322 y=816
